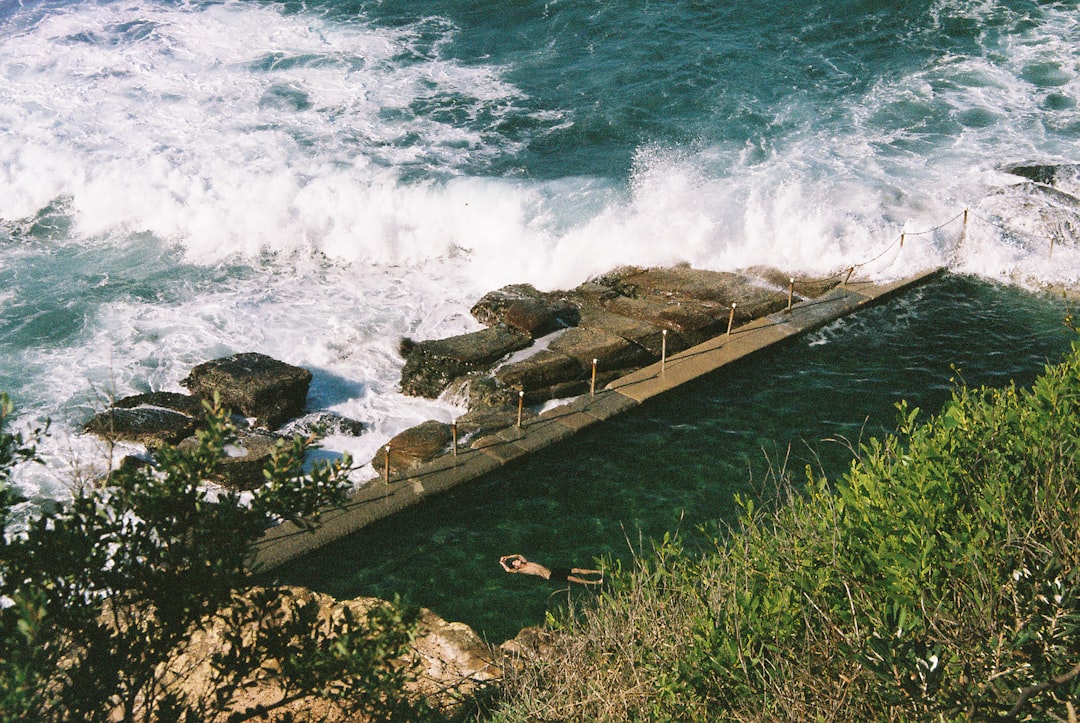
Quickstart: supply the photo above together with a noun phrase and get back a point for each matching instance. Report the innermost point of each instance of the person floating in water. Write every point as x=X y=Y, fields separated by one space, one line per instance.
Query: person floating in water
x=517 y=563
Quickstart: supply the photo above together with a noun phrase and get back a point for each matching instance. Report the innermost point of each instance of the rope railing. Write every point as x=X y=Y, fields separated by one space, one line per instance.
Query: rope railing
x=966 y=214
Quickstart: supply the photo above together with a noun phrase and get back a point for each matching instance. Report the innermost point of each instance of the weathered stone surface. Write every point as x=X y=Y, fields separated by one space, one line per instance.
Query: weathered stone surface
x=183 y=403
x=531 y=643
x=542 y=369
x=775 y=296
x=523 y=307
x=254 y=385
x=486 y=420
x=431 y=365
x=681 y=283
x=415 y=446
x=609 y=350
x=451 y=662
x=149 y=426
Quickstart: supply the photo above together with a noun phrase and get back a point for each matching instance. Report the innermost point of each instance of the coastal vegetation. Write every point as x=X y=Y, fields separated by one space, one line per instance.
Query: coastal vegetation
x=103 y=596
x=938 y=579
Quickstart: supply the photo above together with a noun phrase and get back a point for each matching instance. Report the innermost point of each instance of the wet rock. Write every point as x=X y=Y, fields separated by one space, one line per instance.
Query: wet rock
x=254 y=385
x=183 y=403
x=149 y=426
x=523 y=307
x=323 y=424
x=584 y=344
x=540 y=370
x=430 y=366
x=1048 y=174
x=244 y=460
x=415 y=446
x=485 y=420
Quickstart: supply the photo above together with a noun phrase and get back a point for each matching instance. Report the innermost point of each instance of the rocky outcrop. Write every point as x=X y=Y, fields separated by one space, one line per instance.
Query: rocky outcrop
x=253 y=384
x=449 y=660
x=588 y=336
x=430 y=366
x=610 y=325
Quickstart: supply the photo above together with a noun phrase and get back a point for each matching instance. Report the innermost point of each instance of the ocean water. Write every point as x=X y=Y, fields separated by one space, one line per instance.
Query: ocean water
x=180 y=180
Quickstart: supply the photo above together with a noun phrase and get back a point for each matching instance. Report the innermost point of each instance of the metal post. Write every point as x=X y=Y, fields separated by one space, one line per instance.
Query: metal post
x=453 y=434
x=663 y=350
x=790 y=292
x=731 y=319
x=521 y=405
x=901 y=240
x=592 y=384
x=849 y=273
x=386 y=470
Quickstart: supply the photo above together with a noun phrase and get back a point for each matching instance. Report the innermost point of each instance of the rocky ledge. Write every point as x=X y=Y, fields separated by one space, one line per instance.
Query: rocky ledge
x=262 y=393
x=539 y=346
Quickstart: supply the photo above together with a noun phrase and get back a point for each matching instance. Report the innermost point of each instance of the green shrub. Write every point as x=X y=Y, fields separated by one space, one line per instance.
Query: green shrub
x=938 y=579
x=102 y=591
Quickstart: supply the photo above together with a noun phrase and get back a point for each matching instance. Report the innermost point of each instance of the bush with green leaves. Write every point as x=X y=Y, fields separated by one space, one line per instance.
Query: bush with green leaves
x=102 y=591
x=938 y=579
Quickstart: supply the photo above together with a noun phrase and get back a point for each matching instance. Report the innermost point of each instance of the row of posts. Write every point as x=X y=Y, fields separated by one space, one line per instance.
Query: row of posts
x=663 y=347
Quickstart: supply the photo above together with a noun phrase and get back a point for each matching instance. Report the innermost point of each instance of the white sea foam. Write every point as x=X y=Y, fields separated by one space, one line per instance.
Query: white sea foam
x=293 y=144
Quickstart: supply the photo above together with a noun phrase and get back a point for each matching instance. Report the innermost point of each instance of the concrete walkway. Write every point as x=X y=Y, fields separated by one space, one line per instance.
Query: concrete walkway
x=378 y=498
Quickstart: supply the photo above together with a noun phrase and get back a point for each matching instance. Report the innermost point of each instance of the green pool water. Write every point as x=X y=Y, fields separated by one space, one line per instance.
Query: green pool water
x=674 y=463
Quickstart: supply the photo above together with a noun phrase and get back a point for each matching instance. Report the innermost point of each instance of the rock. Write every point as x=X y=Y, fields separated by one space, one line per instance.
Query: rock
x=530 y=644
x=450 y=661
x=522 y=307
x=323 y=424
x=183 y=403
x=454 y=662
x=430 y=366
x=1048 y=174
x=485 y=420
x=244 y=460
x=149 y=426
x=609 y=350
x=542 y=369
x=415 y=446
x=253 y=384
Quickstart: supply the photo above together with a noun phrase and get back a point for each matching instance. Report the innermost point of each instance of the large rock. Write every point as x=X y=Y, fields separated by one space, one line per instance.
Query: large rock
x=524 y=308
x=254 y=385
x=430 y=366
x=149 y=426
x=1047 y=174
x=415 y=446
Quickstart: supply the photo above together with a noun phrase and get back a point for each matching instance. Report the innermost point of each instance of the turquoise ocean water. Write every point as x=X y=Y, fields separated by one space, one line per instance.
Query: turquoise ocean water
x=315 y=180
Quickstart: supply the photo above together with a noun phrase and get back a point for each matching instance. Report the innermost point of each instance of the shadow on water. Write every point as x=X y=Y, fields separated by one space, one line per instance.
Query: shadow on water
x=674 y=463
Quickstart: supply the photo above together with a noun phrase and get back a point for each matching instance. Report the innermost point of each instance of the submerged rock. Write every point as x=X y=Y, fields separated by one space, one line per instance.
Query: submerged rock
x=323 y=424
x=254 y=385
